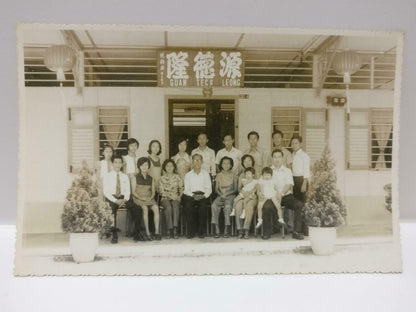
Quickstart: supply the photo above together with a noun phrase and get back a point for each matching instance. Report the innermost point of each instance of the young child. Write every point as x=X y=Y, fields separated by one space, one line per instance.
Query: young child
x=267 y=189
x=130 y=160
x=225 y=187
x=245 y=200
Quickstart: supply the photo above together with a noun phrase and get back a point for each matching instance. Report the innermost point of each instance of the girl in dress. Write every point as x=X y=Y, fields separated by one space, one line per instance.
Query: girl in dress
x=182 y=158
x=143 y=191
x=225 y=187
x=154 y=150
x=105 y=165
x=171 y=190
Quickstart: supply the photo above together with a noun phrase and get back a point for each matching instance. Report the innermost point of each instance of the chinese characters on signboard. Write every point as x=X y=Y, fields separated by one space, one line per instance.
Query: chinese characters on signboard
x=200 y=69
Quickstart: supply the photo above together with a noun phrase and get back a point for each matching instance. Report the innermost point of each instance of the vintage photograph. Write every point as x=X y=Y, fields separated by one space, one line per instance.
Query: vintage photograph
x=190 y=150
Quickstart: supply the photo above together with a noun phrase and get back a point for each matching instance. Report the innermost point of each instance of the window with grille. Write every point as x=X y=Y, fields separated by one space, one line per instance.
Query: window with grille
x=287 y=120
x=311 y=124
x=90 y=129
x=381 y=138
x=369 y=139
x=113 y=128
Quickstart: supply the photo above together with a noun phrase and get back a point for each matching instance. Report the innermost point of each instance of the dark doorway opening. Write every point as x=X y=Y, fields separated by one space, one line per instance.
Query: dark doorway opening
x=188 y=118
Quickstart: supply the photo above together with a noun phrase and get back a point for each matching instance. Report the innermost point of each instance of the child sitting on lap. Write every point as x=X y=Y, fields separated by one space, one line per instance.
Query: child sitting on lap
x=267 y=189
x=248 y=190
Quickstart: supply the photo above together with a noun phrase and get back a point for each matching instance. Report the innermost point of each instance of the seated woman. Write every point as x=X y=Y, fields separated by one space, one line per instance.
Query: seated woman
x=225 y=187
x=245 y=202
x=182 y=158
x=143 y=191
x=247 y=161
x=170 y=190
x=154 y=150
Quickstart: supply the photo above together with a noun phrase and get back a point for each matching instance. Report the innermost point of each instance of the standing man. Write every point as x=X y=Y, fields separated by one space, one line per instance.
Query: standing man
x=261 y=157
x=116 y=189
x=198 y=188
x=230 y=151
x=277 y=139
x=300 y=168
x=284 y=181
x=208 y=155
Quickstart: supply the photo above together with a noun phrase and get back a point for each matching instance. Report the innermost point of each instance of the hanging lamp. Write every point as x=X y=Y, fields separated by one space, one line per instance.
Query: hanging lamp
x=60 y=58
x=346 y=64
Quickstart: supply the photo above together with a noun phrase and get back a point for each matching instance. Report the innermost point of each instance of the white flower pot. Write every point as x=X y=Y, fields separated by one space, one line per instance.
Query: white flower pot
x=83 y=246
x=322 y=239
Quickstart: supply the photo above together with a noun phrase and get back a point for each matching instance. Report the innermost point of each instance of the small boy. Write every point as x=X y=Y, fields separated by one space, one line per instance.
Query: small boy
x=267 y=189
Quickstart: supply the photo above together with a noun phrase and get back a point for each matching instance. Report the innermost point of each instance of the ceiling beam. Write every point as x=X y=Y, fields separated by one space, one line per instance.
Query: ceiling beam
x=239 y=41
x=72 y=40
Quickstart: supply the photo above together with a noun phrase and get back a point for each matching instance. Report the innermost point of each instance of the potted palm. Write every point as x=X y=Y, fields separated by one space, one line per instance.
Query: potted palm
x=324 y=207
x=85 y=215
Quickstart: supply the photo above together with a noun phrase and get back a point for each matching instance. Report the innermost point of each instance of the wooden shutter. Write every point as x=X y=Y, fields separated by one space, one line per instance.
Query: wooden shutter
x=82 y=137
x=358 y=149
x=316 y=133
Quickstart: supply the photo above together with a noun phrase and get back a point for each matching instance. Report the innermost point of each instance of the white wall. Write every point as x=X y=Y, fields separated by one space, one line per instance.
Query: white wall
x=46 y=163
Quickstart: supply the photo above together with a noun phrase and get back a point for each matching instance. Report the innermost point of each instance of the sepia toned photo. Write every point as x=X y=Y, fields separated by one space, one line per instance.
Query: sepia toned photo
x=173 y=150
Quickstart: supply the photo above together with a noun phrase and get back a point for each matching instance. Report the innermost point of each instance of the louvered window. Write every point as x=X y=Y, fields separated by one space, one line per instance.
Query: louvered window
x=316 y=133
x=90 y=129
x=358 y=150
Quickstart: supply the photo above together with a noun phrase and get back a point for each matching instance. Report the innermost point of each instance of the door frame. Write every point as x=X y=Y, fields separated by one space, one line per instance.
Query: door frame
x=200 y=97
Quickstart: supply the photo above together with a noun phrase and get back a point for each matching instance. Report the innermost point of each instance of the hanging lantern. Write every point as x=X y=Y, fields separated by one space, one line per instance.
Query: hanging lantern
x=346 y=63
x=60 y=58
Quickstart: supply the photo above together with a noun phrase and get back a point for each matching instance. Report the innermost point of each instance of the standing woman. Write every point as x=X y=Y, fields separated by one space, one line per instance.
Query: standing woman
x=105 y=165
x=143 y=191
x=155 y=170
x=300 y=169
x=171 y=190
x=182 y=158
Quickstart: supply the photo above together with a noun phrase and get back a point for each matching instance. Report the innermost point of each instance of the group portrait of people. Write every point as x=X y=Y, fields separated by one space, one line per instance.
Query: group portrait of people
x=252 y=186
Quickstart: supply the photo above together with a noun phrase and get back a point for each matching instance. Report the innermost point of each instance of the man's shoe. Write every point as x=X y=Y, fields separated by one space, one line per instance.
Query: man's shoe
x=265 y=237
x=114 y=239
x=297 y=235
x=201 y=235
x=246 y=236
x=158 y=237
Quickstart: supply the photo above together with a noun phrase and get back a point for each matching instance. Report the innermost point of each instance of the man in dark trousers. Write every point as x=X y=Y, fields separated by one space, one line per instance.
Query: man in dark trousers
x=198 y=188
x=116 y=189
x=284 y=181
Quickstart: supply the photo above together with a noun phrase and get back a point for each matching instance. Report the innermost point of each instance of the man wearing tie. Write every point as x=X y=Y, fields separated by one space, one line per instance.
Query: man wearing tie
x=116 y=189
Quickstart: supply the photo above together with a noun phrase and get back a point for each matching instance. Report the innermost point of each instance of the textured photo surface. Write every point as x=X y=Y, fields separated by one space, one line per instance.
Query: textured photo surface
x=190 y=150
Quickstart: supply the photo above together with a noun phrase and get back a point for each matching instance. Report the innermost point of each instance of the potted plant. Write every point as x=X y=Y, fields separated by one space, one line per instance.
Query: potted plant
x=85 y=215
x=387 y=196
x=324 y=207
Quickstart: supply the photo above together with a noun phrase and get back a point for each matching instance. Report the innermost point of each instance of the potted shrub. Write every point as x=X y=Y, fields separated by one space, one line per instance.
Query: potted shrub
x=324 y=207
x=85 y=215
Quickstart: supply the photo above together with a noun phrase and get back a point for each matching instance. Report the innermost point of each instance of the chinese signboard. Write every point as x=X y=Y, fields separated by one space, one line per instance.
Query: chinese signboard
x=194 y=68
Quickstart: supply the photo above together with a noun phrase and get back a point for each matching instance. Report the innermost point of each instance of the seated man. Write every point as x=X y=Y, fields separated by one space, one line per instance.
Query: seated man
x=198 y=188
x=116 y=189
x=284 y=181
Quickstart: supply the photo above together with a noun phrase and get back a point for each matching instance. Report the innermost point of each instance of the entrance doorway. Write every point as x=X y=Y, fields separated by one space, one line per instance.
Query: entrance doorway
x=189 y=117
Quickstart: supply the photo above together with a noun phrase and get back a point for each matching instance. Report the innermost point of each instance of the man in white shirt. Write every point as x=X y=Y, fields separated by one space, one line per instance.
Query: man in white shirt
x=230 y=151
x=261 y=156
x=116 y=189
x=300 y=168
x=284 y=180
x=208 y=155
x=198 y=188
